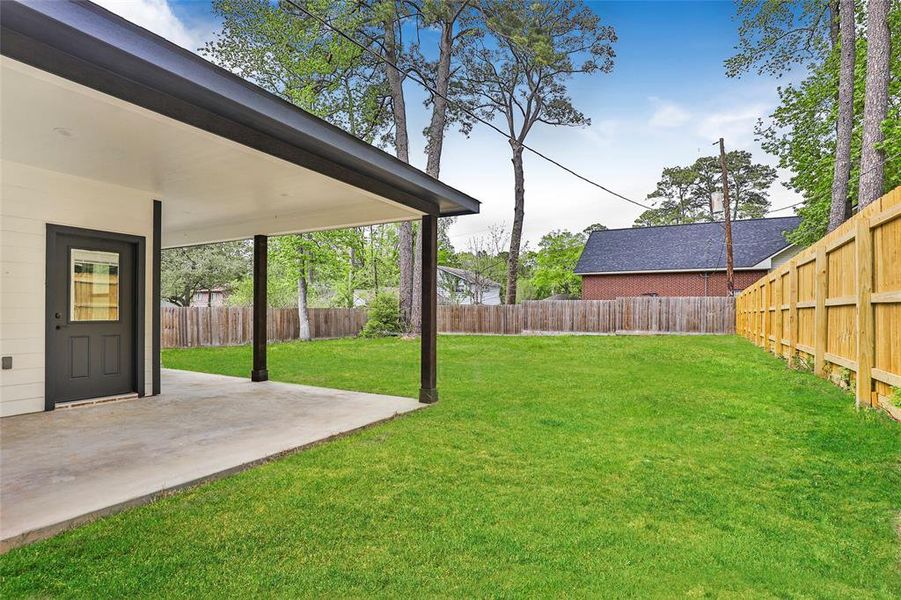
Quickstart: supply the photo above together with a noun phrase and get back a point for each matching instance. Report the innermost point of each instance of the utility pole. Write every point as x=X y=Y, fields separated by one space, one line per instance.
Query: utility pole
x=730 y=274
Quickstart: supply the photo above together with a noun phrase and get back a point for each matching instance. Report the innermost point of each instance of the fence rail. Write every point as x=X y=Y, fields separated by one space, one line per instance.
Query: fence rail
x=838 y=304
x=226 y=326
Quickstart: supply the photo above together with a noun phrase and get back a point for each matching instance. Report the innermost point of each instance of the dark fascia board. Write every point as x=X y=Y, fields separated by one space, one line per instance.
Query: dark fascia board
x=89 y=45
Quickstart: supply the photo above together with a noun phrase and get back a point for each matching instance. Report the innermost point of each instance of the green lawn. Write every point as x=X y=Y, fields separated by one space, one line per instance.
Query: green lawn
x=552 y=466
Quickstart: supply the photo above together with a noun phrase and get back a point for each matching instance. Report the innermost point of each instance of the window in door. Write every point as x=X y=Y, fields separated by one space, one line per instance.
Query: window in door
x=94 y=285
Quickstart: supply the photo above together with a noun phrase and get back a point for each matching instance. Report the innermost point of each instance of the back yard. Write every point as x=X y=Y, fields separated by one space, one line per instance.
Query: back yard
x=585 y=466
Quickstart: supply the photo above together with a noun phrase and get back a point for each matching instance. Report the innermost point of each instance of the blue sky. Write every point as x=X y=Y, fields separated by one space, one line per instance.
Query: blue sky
x=666 y=101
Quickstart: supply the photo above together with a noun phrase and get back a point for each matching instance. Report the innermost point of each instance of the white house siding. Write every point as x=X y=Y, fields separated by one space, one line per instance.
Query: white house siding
x=463 y=294
x=492 y=296
x=30 y=198
x=784 y=256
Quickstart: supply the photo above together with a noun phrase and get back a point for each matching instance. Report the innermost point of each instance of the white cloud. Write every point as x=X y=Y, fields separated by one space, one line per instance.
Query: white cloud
x=157 y=16
x=667 y=114
x=601 y=132
x=735 y=125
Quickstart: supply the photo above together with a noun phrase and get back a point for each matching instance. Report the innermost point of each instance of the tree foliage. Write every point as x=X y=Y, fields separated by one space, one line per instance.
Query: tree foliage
x=555 y=263
x=801 y=133
x=775 y=35
x=683 y=193
x=594 y=227
x=336 y=265
x=186 y=271
x=384 y=317
x=306 y=63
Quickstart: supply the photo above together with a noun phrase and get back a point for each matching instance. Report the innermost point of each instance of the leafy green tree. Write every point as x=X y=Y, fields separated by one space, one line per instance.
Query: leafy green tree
x=384 y=317
x=675 y=197
x=555 y=263
x=749 y=185
x=390 y=22
x=801 y=134
x=517 y=68
x=186 y=271
x=304 y=62
x=775 y=35
x=683 y=193
x=305 y=255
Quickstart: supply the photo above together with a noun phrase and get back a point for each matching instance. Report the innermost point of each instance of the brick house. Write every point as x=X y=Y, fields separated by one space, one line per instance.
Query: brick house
x=681 y=260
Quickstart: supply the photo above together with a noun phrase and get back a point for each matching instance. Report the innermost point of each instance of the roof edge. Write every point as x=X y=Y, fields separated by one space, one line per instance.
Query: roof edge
x=600 y=231
x=87 y=44
x=711 y=270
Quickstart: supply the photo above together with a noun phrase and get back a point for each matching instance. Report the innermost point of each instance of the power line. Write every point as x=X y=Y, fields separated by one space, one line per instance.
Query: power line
x=775 y=210
x=423 y=83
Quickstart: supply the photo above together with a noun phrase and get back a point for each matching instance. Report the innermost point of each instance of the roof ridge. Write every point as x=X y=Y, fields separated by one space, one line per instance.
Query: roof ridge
x=691 y=224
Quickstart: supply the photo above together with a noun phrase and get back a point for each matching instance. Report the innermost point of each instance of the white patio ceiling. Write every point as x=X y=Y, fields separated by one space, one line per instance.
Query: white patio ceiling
x=212 y=188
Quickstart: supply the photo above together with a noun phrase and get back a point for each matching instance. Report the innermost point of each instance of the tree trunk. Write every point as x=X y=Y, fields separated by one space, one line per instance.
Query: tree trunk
x=303 y=311
x=434 y=146
x=875 y=109
x=416 y=312
x=519 y=193
x=438 y=123
x=402 y=151
x=845 y=123
x=405 y=263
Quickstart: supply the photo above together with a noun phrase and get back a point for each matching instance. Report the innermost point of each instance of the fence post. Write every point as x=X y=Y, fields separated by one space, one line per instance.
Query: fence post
x=777 y=315
x=761 y=314
x=820 y=317
x=766 y=313
x=864 y=246
x=792 y=309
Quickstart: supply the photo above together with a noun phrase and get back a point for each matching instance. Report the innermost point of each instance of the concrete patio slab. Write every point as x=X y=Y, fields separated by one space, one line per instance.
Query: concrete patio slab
x=69 y=466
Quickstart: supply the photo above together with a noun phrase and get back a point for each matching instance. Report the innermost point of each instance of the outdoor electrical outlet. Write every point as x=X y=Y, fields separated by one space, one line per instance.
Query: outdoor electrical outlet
x=7 y=362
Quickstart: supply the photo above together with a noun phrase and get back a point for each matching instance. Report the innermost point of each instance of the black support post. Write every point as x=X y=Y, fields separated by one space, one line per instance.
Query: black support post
x=260 y=260
x=428 y=392
x=155 y=295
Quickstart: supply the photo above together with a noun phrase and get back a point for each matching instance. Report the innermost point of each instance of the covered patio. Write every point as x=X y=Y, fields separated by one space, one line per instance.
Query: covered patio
x=73 y=465
x=116 y=144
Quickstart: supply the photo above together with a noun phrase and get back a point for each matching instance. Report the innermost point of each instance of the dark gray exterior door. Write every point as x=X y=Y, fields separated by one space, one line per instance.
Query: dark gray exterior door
x=91 y=313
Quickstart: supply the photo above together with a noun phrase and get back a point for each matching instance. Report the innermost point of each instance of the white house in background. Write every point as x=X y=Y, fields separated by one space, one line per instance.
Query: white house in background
x=117 y=143
x=458 y=286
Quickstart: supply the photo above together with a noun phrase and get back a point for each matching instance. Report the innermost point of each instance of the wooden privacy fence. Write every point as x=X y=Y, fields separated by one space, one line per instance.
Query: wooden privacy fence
x=838 y=304
x=676 y=315
x=225 y=326
x=185 y=327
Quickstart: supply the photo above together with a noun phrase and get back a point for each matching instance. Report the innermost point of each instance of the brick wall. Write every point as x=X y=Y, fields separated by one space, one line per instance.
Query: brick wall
x=608 y=287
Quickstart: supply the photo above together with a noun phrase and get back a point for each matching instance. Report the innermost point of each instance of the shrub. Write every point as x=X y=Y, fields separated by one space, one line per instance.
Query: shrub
x=384 y=317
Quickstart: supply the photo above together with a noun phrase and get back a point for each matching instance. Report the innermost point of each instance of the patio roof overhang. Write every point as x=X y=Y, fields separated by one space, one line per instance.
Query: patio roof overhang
x=90 y=94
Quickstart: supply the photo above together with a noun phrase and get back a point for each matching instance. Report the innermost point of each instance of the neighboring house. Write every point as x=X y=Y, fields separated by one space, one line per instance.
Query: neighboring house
x=213 y=297
x=458 y=286
x=681 y=260
x=117 y=143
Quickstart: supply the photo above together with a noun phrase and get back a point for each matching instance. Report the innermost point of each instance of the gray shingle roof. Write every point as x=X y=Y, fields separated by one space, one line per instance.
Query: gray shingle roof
x=697 y=246
x=468 y=276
